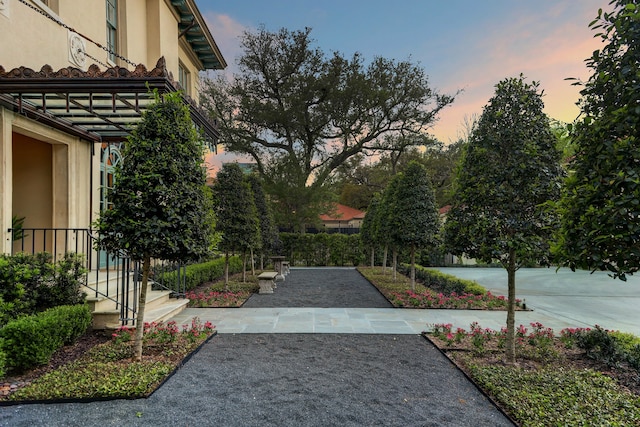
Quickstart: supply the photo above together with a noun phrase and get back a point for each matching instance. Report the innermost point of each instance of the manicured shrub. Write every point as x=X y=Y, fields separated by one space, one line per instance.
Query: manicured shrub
x=69 y=275
x=197 y=274
x=445 y=283
x=32 y=283
x=323 y=249
x=31 y=340
x=3 y=363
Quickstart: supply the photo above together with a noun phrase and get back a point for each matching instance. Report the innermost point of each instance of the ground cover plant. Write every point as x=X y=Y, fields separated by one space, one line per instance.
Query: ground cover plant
x=570 y=378
x=216 y=294
x=398 y=291
x=99 y=366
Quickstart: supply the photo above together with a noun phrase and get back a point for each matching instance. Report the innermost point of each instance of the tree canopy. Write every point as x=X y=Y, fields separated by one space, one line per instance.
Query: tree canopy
x=601 y=204
x=237 y=215
x=300 y=114
x=160 y=205
x=414 y=220
x=509 y=170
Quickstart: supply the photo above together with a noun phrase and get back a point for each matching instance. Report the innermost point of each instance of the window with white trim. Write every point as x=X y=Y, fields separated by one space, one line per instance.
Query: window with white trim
x=112 y=29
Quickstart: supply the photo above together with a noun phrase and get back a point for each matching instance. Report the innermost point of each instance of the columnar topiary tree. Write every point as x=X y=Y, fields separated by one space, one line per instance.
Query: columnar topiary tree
x=268 y=230
x=368 y=232
x=237 y=217
x=384 y=223
x=600 y=209
x=509 y=170
x=414 y=220
x=160 y=208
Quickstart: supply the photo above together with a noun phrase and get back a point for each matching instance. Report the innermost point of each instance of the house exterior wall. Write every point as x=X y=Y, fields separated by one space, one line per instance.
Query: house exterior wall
x=148 y=29
x=46 y=175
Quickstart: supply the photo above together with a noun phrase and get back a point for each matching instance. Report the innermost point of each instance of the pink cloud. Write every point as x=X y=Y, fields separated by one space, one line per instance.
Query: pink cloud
x=529 y=45
x=227 y=32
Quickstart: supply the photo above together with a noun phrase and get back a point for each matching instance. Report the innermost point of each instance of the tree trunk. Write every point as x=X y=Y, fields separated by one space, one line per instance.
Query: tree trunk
x=253 y=263
x=244 y=267
x=226 y=271
x=395 y=264
x=142 y=302
x=261 y=262
x=413 y=268
x=373 y=256
x=384 y=259
x=511 y=308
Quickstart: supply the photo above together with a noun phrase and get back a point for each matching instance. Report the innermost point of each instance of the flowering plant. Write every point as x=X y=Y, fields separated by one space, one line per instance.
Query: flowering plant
x=217 y=298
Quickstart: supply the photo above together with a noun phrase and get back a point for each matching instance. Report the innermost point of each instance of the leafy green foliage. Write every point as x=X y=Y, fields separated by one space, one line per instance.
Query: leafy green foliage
x=601 y=205
x=31 y=283
x=31 y=340
x=236 y=211
x=17 y=225
x=414 y=217
x=160 y=208
x=198 y=274
x=509 y=171
x=368 y=234
x=322 y=249
x=558 y=397
x=300 y=115
x=97 y=380
x=106 y=371
x=268 y=230
x=445 y=283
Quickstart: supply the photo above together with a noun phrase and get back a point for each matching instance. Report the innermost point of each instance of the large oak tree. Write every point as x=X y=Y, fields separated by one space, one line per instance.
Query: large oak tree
x=300 y=114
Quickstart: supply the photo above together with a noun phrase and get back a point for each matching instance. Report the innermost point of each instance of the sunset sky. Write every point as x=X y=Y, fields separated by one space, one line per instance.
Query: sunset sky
x=461 y=44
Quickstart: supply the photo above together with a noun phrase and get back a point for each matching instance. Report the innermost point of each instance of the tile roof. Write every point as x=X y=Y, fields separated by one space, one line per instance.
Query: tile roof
x=343 y=213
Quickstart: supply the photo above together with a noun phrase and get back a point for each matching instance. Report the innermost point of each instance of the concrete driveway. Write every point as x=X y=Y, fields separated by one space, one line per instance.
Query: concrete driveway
x=575 y=297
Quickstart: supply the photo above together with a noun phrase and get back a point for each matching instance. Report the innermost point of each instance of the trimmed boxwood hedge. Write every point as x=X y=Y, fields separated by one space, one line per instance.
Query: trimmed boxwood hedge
x=31 y=340
x=322 y=249
x=445 y=283
x=197 y=274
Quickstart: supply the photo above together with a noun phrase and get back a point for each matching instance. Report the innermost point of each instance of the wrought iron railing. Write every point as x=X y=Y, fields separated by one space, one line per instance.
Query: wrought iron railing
x=110 y=275
x=114 y=276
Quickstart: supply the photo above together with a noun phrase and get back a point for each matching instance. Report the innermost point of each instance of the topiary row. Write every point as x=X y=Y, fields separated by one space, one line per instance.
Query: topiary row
x=445 y=283
x=31 y=340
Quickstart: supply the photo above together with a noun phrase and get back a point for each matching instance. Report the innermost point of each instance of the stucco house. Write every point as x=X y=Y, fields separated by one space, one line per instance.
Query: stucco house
x=75 y=76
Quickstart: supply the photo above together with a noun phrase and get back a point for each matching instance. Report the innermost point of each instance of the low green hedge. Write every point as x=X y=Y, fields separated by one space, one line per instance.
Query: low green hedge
x=445 y=283
x=31 y=340
x=197 y=274
x=323 y=249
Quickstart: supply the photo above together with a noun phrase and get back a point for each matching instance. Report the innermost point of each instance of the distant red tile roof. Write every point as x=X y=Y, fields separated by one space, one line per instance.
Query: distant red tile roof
x=444 y=210
x=343 y=213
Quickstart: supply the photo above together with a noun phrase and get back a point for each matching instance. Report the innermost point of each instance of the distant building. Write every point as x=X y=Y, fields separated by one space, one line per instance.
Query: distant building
x=343 y=219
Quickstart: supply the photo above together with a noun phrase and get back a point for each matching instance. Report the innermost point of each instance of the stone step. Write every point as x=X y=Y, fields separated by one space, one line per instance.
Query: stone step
x=162 y=313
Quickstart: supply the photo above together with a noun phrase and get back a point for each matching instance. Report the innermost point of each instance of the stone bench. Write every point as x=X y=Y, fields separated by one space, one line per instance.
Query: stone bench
x=267 y=281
